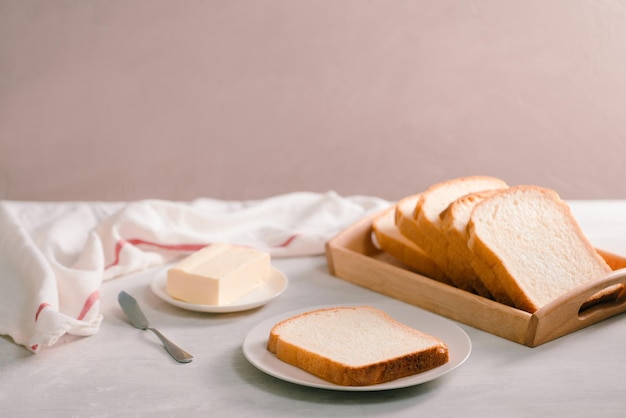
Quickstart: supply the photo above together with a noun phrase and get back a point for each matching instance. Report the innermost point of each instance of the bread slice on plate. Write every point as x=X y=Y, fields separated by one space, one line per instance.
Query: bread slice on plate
x=401 y=248
x=428 y=233
x=533 y=245
x=355 y=346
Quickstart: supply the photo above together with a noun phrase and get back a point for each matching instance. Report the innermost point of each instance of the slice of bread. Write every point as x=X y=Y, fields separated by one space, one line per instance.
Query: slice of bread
x=429 y=234
x=533 y=246
x=401 y=248
x=404 y=217
x=355 y=346
x=454 y=220
x=407 y=225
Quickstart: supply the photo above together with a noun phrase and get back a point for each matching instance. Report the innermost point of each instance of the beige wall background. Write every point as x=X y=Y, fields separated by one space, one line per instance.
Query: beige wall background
x=120 y=100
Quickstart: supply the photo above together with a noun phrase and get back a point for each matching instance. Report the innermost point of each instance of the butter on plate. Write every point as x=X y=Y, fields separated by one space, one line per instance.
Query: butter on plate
x=218 y=274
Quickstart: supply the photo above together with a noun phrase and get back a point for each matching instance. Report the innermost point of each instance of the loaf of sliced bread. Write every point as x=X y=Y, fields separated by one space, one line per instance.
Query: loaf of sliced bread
x=355 y=346
x=401 y=248
x=532 y=245
x=429 y=234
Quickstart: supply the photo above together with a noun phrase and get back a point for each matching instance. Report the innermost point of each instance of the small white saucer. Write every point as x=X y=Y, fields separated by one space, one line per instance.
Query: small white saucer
x=275 y=285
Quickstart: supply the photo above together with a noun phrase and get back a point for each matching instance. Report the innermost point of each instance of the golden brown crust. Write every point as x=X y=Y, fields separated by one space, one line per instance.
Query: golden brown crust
x=491 y=278
x=492 y=269
x=401 y=248
x=346 y=375
x=462 y=257
x=493 y=274
x=431 y=236
x=459 y=252
x=405 y=222
x=454 y=221
x=372 y=374
x=408 y=227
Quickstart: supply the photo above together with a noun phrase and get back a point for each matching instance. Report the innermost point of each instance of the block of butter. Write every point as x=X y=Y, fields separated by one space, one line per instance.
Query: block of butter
x=218 y=274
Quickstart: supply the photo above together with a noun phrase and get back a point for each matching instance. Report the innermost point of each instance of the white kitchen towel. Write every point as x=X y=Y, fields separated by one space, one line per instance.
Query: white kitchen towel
x=54 y=256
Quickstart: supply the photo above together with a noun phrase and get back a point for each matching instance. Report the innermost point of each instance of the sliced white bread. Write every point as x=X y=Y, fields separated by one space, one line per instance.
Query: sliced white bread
x=401 y=248
x=533 y=246
x=428 y=233
x=355 y=346
x=404 y=216
x=407 y=226
x=454 y=220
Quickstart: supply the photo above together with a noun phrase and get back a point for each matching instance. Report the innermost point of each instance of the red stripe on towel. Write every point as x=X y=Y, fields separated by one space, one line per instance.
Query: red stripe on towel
x=173 y=247
x=41 y=308
x=137 y=241
x=288 y=241
x=91 y=299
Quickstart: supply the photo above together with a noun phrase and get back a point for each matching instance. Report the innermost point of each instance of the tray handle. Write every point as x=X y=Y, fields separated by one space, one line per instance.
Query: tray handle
x=569 y=312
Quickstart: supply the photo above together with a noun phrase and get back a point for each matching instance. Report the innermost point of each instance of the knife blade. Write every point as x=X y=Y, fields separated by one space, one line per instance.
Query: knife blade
x=138 y=320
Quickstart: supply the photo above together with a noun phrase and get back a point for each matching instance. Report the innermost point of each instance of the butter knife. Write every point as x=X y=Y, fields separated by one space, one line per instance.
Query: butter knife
x=138 y=320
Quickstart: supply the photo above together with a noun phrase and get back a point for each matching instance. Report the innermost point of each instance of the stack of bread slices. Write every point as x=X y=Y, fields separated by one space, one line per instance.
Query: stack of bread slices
x=518 y=245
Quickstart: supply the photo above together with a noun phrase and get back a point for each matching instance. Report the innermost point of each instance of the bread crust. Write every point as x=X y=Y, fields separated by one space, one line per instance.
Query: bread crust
x=407 y=226
x=343 y=374
x=454 y=220
x=471 y=263
x=404 y=216
x=391 y=240
x=484 y=220
x=430 y=234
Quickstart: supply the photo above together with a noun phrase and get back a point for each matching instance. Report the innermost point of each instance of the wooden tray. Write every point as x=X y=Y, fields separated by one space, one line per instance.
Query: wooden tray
x=352 y=257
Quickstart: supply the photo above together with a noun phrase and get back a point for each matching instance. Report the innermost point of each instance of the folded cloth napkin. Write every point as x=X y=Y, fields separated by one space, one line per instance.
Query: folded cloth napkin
x=55 y=256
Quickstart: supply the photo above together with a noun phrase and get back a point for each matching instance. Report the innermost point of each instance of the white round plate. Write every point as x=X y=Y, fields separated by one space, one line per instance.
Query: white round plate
x=275 y=285
x=459 y=346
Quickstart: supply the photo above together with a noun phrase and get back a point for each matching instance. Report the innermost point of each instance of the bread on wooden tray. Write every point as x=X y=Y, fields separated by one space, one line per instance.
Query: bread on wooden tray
x=407 y=227
x=529 y=238
x=355 y=346
x=404 y=209
x=454 y=220
x=431 y=236
x=391 y=240
x=520 y=245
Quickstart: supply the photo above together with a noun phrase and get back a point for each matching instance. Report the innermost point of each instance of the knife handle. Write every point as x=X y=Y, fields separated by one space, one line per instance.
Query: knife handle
x=175 y=351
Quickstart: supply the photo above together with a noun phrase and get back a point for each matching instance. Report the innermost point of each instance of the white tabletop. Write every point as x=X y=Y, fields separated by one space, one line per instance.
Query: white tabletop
x=122 y=371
